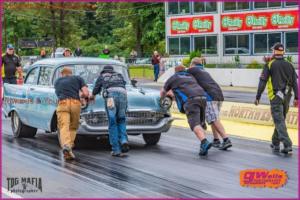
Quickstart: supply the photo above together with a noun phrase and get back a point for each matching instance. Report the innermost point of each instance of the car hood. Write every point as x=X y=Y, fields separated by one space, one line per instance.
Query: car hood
x=138 y=99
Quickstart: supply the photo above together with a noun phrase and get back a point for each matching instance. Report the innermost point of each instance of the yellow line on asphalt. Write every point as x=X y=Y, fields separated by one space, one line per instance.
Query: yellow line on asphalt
x=244 y=130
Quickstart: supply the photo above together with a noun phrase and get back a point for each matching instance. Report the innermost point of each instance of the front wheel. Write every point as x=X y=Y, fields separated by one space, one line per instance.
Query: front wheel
x=151 y=139
x=19 y=129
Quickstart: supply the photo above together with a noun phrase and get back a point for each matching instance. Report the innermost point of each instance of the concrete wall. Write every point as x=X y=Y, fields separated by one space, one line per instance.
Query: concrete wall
x=227 y=77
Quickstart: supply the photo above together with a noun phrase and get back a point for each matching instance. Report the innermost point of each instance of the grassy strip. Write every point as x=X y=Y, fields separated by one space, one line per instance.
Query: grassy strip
x=141 y=72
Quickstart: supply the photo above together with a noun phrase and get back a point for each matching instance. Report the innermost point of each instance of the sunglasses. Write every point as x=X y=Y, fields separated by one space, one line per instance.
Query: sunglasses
x=10 y=49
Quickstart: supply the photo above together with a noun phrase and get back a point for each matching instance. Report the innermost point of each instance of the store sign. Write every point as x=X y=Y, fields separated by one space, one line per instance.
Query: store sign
x=201 y=24
x=260 y=21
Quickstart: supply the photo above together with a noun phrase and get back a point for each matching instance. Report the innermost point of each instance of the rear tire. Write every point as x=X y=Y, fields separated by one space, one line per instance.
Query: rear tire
x=152 y=139
x=19 y=129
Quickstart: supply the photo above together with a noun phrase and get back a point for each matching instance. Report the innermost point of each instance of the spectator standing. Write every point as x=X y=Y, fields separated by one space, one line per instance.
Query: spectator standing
x=155 y=62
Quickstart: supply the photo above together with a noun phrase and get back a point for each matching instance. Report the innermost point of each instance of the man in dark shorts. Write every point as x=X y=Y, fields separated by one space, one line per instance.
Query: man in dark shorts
x=192 y=96
x=67 y=89
x=11 y=64
x=213 y=104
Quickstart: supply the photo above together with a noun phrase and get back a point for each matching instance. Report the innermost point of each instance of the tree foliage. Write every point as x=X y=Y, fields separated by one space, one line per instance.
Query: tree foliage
x=120 y=26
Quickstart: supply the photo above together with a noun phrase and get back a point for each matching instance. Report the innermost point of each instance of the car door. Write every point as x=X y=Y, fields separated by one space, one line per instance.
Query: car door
x=15 y=98
x=46 y=97
x=30 y=84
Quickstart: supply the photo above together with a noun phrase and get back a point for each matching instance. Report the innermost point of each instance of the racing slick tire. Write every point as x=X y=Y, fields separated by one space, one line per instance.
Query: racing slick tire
x=151 y=139
x=19 y=129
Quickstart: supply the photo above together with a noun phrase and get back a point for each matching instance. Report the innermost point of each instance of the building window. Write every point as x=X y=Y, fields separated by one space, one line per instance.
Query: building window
x=236 y=44
x=185 y=45
x=174 y=46
x=291 y=42
x=206 y=44
x=202 y=7
x=236 y=6
x=175 y=8
x=264 y=42
x=179 y=46
x=291 y=3
x=259 y=5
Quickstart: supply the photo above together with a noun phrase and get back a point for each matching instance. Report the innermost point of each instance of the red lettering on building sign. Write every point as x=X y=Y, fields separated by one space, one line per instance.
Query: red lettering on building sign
x=260 y=21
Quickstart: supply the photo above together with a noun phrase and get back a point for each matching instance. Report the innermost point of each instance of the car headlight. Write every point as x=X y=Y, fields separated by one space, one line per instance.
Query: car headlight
x=84 y=103
x=166 y=103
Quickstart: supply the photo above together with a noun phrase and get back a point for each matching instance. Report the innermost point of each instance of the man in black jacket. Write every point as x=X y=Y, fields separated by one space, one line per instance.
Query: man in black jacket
x=115 y=95
x=280 y=77
x=214 y=99
x=190 y=98
x=77 y=52
x=11 y=64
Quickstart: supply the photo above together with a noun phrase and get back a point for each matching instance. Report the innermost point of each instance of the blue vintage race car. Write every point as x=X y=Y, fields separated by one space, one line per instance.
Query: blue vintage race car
x=32 y=105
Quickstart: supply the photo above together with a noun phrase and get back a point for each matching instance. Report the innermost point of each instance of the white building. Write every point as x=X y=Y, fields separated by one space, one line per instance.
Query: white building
x=222 y=30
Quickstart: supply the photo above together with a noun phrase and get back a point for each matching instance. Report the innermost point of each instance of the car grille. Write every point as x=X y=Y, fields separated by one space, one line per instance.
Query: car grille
x=132 y=118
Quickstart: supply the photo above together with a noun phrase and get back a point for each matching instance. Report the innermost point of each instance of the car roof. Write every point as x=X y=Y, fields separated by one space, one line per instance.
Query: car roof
x=77 y=60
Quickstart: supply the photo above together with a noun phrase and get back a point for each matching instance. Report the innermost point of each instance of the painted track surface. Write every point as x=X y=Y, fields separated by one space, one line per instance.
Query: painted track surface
x=170 y=169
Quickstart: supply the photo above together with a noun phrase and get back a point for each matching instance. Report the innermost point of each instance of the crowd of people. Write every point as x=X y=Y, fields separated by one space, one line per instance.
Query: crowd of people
x=195 y=92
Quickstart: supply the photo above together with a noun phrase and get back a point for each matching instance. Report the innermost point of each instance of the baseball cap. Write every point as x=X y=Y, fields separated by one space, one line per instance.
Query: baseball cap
x=107 y=68
x=278 y=47
x=10 y=46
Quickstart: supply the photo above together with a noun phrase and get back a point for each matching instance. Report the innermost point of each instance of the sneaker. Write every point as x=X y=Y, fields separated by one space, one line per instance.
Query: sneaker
x=125 y=147
x=226 y=145
x=204 y=148
x=68 y=154
x=216 y=143
x=287 y=150
x=275 y=148
x=114 y=154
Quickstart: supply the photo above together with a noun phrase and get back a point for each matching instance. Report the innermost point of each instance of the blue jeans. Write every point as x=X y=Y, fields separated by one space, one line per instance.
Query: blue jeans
x=117 y=121
x=156 y=71
x=10 y=80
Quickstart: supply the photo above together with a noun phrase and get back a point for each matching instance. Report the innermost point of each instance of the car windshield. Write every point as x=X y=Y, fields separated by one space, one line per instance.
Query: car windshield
x=91 y=72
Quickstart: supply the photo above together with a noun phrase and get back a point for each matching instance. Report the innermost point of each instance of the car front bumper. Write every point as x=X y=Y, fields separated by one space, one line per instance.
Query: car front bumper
x=162 y=126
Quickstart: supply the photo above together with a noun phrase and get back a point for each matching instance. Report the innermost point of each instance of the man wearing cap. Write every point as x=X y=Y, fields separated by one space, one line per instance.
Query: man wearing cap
x=67 y=89
x=11 y=64
x=191 y=100
x=115 y=95
x=280 y=78
x=214 y=99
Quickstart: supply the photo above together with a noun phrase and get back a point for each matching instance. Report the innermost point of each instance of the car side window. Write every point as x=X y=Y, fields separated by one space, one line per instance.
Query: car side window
x=45 y=75
x=57 y=74
x=32 y=76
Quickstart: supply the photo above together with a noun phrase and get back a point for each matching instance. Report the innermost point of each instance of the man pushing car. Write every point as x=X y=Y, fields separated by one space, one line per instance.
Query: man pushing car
x=67 y=89
x=191 y=100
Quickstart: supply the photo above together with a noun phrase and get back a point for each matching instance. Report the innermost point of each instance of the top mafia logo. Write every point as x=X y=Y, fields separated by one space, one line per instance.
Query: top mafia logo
x=24 y=184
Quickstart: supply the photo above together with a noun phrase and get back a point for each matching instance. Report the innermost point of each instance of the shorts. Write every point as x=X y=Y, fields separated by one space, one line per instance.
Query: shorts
x=195 y=111
x=212 y=111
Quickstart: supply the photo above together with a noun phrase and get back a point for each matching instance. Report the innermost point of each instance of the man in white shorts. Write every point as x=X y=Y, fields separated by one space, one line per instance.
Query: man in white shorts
x=214 y=99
